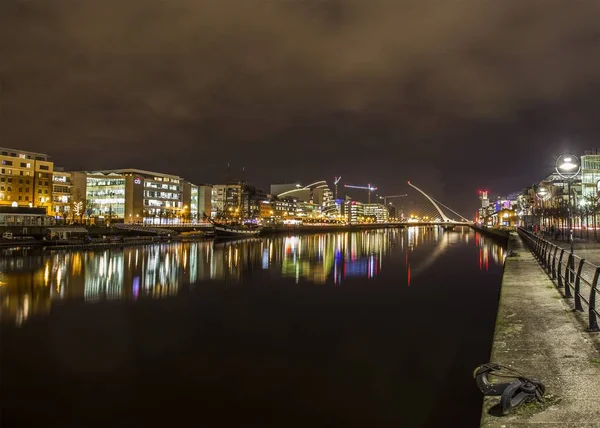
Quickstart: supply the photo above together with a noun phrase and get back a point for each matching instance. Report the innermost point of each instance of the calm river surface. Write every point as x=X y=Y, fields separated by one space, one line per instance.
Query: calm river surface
x=367 y=329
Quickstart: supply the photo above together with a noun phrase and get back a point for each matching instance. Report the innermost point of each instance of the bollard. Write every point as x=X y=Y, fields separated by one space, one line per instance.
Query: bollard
x=578 y=306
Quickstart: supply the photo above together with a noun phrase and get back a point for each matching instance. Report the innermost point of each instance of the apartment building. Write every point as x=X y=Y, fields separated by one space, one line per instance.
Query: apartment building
x=25 y=179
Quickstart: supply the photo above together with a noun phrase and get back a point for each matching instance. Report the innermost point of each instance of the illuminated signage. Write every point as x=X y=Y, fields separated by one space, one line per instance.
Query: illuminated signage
x=137 y=181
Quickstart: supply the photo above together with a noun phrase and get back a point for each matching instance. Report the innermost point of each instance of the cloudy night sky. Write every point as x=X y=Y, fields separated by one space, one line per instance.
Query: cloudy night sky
x=455 y=95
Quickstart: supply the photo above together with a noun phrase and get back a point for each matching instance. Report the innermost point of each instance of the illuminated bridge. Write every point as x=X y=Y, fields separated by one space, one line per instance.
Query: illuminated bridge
x=420 y=209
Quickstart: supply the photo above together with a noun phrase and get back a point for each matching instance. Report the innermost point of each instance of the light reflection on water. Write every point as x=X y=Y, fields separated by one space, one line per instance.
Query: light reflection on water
x=32 y=280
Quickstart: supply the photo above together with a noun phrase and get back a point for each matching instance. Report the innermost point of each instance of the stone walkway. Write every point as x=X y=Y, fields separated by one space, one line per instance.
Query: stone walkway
x=538 y=334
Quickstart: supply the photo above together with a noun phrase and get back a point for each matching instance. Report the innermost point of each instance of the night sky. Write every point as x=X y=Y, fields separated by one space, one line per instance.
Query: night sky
x=455 y=95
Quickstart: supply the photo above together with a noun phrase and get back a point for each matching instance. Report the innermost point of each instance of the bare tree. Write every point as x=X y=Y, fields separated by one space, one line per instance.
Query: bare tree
x=77 y=206
x=593 y=209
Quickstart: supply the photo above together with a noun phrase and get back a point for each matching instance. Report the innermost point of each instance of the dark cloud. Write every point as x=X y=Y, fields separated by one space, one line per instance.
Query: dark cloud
x=454 y=94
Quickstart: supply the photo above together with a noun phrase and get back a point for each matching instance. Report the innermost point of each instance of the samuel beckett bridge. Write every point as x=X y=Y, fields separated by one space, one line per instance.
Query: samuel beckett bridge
x=417 y=208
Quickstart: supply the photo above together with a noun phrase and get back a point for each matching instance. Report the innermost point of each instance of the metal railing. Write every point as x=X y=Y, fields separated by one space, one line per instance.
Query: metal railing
x=576 y=276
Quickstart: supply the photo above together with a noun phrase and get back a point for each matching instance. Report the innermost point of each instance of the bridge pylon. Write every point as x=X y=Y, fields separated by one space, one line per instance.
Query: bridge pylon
x=444 y=217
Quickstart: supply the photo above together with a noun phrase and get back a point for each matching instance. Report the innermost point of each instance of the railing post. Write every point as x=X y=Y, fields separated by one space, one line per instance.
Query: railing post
x=548 y=258
x=569 y=272
x=578 y=306
x=543 y=253
x=592 y=319
x=560 y=278
x=572 y=267
x=554 y=262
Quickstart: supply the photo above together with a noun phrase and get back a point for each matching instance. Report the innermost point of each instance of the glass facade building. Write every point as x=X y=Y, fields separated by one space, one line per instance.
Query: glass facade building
x=105 y=196
x=354 y=211
x=377 y=211
x=590 y=174
x=134 y=196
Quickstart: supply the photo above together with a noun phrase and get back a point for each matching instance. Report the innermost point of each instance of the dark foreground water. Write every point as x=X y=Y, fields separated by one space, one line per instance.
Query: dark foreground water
x=367 y=329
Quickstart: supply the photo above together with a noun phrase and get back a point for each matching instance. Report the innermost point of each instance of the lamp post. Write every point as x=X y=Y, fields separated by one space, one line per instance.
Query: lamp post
x=542 y=194
x=568 y=167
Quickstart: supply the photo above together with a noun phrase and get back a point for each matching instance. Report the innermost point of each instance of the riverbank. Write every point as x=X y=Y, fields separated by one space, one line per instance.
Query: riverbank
x=538 y=334
x=309 y=229
x=126 y=237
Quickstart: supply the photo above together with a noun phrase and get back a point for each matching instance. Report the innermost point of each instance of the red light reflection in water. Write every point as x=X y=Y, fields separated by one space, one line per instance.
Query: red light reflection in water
x=409 y=275
x=480 y=258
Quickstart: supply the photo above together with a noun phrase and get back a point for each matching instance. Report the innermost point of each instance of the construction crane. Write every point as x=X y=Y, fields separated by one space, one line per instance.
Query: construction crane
x=385 y=198
x=367 y=187
x=336 y=180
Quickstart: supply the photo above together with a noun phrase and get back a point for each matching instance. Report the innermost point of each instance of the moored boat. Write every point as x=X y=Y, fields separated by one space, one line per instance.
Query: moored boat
x=227 y=231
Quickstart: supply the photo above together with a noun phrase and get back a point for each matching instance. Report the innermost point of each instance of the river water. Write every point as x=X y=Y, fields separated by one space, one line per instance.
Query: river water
x=374 y=328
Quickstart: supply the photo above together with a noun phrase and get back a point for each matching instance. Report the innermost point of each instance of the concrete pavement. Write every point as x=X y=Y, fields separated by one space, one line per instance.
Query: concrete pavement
x=538 y=334
x=588 y=249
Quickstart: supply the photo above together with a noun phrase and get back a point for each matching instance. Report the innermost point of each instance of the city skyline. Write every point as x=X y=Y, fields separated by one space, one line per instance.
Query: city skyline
x=302 y=89
x=231 y=177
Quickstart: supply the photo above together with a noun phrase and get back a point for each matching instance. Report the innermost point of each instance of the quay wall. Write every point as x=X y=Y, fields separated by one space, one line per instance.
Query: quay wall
x=538 y=334
x=500 y=235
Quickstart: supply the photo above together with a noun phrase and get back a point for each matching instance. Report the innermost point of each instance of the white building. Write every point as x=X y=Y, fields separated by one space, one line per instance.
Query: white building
x=354 y=211
x=138 y=196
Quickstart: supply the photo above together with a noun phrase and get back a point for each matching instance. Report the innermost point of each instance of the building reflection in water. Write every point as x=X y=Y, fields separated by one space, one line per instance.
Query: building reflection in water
x=488 y=248
x=31 y=279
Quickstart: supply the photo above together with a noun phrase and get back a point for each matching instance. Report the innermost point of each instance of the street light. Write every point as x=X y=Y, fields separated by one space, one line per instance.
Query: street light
x=542 y=194
x=568 y=166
